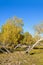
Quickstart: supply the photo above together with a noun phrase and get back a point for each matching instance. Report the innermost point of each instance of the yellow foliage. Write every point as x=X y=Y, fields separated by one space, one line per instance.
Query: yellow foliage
x=11 y=32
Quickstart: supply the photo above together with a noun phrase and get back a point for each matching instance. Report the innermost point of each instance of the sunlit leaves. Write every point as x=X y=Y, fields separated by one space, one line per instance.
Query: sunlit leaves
x=11 y=31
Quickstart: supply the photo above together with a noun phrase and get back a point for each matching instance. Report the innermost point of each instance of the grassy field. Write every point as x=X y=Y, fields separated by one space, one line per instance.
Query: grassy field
x=21 y=58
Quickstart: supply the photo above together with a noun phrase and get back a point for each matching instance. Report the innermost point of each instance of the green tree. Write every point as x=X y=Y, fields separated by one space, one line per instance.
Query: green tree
x=28 y=39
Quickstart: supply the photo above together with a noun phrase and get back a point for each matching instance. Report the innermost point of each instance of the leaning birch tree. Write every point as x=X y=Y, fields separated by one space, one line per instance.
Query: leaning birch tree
x=38 y=31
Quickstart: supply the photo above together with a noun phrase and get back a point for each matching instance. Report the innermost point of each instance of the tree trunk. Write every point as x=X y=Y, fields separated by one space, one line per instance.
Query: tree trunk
x=34 y=45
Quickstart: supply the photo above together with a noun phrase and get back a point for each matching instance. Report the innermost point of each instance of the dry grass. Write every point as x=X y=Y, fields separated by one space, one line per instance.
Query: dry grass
x=21 y=58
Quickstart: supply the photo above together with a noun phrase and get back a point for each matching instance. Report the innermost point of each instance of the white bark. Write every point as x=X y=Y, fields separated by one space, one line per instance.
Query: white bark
x=4 y=48
x=35 y=44
x=17 y=46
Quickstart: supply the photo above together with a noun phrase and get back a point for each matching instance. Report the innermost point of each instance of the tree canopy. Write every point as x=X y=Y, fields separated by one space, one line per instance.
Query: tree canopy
x=12 y=33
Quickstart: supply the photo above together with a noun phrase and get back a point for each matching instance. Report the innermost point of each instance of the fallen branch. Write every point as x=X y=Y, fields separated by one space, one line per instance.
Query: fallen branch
x=17 y=46
x=29 y=49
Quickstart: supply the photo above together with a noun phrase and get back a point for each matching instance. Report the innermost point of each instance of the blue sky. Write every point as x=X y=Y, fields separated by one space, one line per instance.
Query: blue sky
x=31 y=11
